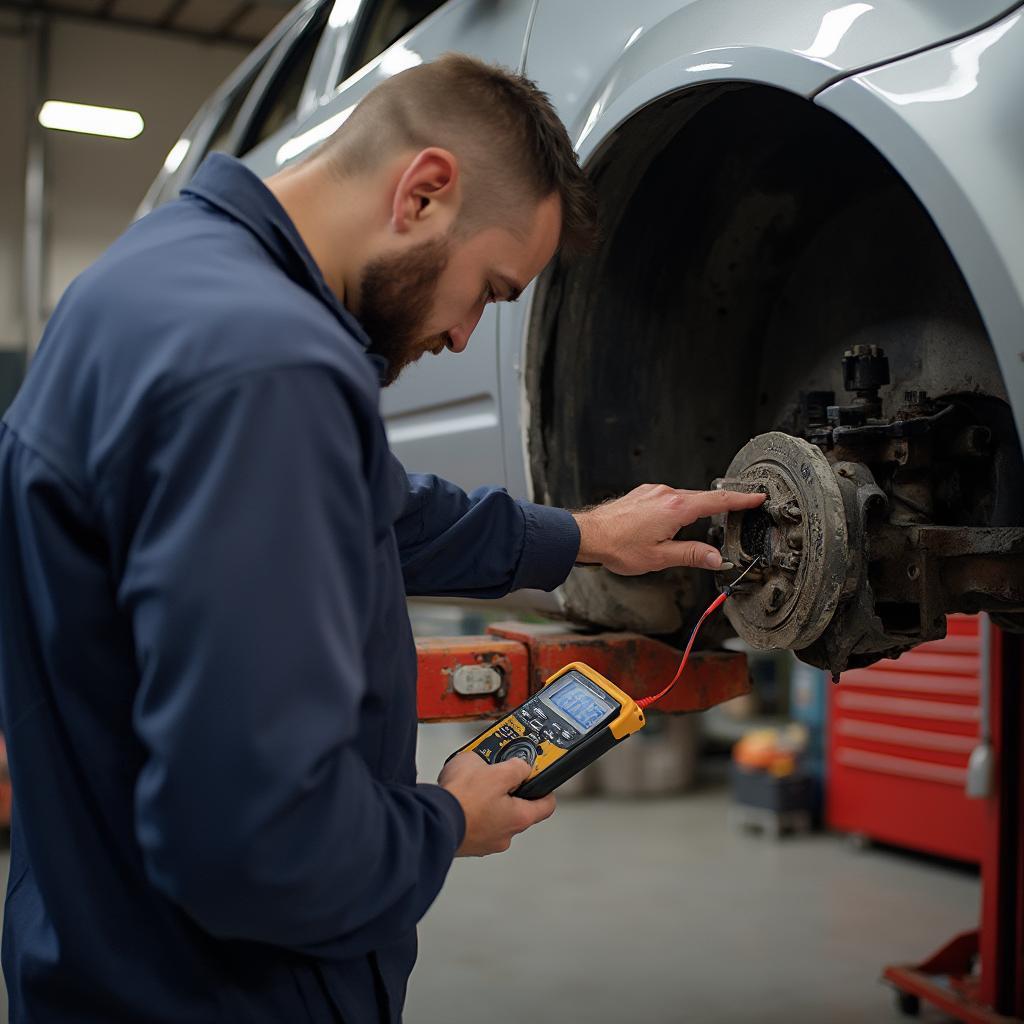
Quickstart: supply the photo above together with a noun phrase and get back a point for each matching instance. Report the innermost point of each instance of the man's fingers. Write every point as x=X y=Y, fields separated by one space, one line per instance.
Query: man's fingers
x=690 y=553
x=709 y=503
x=534 y=811
x=455 y=767
x=544 y=807
x=514 y=773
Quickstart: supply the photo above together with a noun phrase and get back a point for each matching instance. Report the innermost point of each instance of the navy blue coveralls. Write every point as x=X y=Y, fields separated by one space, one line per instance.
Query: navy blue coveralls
x=206 y=665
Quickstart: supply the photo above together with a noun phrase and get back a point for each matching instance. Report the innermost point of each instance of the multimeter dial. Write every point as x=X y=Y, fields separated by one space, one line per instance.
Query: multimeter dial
x=524 y=750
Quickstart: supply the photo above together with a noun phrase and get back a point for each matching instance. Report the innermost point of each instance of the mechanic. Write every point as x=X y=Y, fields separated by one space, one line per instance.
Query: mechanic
x=206 y=663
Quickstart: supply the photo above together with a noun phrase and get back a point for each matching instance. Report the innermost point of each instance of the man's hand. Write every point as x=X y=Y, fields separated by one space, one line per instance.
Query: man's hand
x=492 y=816
x=633 y=534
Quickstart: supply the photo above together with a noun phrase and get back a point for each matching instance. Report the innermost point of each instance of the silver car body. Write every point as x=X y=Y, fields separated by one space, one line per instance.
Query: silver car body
x=935 y=88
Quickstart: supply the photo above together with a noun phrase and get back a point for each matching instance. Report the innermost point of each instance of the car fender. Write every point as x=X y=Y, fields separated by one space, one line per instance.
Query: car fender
x=637 y=53
x=951 y=124
x=630 y=54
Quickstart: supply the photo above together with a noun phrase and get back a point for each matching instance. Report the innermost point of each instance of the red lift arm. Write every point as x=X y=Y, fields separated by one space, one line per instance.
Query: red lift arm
x=468 y=677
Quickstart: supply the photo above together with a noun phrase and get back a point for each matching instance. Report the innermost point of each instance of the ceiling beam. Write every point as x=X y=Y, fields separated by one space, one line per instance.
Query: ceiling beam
x=236 y=15
x=173 y=9
x=58 y=10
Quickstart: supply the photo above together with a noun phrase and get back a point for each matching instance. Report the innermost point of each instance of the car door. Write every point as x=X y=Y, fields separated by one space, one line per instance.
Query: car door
x=442 y=415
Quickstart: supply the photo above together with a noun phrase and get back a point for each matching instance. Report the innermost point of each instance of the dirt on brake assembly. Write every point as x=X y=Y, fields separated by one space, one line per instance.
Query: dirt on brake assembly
x=875 y=528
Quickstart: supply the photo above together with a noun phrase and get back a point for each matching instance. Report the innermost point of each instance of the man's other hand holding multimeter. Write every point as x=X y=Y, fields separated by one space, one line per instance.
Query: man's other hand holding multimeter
x=631 y=535
x=493 y=815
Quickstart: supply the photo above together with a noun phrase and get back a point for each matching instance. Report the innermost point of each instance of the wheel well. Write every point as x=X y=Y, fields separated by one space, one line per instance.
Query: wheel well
x=748 y=238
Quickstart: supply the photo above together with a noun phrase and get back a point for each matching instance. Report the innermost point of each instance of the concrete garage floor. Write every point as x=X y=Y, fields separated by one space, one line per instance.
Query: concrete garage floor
x=656 y=912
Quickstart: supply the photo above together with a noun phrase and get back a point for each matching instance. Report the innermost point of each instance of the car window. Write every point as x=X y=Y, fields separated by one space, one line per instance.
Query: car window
x=222 y=133
x=183 y=159
x=382 y=23
x=281 y=100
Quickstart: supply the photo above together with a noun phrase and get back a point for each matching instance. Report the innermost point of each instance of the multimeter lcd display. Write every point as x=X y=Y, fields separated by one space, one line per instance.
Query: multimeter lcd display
x=577 y=702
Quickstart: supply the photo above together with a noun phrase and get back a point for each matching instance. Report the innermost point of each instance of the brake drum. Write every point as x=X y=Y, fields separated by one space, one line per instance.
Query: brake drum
x=801 y=535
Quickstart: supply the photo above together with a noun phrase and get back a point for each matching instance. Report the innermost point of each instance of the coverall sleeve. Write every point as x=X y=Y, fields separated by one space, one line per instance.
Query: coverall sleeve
x=481 y=544
x=248 y=581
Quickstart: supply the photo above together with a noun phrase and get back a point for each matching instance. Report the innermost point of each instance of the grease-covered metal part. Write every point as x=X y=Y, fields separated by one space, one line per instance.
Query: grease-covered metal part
x=851 y=570
x=856 y=635
x=800 y=533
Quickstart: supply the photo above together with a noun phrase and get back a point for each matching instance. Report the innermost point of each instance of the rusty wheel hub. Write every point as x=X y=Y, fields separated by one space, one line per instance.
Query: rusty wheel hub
x=800 y=534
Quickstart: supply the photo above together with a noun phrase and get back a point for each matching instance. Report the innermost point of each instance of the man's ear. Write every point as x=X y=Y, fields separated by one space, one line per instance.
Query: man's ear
x=428 y=190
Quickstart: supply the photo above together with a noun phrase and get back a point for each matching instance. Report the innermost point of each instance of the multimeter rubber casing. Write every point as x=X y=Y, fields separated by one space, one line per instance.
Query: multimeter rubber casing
x=569 y=723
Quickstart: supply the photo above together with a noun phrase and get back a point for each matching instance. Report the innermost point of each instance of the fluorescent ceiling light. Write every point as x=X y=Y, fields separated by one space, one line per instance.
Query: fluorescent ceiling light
x=80 y=117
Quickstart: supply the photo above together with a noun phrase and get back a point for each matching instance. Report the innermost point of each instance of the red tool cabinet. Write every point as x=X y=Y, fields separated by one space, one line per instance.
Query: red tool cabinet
x=899 y=737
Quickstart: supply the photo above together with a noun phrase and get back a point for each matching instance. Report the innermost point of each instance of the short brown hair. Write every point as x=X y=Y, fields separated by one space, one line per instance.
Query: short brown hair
x=502 y=128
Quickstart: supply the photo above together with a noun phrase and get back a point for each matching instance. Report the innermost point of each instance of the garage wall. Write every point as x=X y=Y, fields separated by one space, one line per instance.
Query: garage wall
x=95 y=184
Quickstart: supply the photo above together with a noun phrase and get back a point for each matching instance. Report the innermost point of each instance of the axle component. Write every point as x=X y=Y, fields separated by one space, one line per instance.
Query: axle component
x=874 y=529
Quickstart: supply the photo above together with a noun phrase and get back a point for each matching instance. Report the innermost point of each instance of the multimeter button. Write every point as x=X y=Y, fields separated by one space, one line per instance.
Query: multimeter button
x=539 y=713
x=536 y=724
x=566 y=735
x=524 y=750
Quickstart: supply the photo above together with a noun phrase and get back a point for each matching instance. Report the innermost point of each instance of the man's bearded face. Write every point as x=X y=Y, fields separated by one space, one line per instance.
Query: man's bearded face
x=396 y=298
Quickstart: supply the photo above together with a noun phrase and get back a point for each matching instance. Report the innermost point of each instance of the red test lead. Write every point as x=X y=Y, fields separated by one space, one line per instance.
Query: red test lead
x=576 y=716
x=646 y=702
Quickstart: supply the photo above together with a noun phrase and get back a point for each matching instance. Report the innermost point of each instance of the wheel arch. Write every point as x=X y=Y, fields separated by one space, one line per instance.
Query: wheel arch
x=621 y=149
x=951 y=194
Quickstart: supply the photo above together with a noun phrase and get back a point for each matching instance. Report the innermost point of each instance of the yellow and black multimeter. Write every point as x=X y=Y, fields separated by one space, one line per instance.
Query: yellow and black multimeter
x=563 y=727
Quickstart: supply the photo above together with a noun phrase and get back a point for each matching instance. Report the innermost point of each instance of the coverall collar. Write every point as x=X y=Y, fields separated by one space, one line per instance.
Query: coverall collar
x=229 y=185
